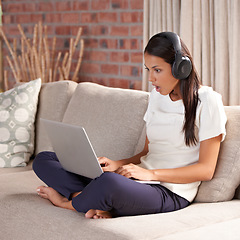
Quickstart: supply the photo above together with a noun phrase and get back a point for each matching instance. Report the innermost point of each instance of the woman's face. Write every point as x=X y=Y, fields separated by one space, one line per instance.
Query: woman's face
x=160 y=75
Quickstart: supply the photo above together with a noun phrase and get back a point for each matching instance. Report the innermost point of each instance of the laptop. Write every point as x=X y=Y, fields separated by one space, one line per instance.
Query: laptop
x=74 y=149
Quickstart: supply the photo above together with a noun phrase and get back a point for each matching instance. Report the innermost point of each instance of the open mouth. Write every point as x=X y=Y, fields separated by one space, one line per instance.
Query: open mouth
x=157 y=88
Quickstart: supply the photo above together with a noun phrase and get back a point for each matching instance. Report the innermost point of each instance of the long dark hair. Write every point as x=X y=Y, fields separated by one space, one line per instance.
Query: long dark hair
x=160 y=46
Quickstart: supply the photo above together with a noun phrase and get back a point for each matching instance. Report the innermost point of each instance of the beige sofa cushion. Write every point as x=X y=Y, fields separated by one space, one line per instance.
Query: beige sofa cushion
x=53 y=100
x=26 y=216
x=227 y=176
x=112 y=117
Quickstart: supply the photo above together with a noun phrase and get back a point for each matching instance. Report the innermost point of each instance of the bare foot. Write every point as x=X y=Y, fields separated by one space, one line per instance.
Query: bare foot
x=54 y=197
x=97 y=214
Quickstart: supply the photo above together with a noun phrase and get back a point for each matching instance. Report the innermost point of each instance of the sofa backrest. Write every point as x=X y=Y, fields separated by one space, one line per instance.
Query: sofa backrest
x=53 y=101
x=112 y=117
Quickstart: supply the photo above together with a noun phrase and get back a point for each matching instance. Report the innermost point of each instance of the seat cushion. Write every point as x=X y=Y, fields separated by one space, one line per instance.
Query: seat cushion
x=25 y=215
x=112 y=118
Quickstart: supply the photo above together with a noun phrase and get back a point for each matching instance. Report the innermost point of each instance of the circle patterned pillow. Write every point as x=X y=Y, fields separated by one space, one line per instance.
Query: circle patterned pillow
x=18 y=108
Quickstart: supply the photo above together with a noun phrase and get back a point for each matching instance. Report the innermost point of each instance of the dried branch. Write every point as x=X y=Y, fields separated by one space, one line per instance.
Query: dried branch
x=79 y=61
x=5 y=80
x=38 y=59
x=13 y=70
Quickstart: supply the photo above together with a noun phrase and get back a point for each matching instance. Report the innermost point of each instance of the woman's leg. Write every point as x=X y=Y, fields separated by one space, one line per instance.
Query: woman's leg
x=49 y=170
x=121 y=196
x=110 y=194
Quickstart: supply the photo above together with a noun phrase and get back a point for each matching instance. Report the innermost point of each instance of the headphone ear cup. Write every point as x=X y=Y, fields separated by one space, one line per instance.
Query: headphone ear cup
x=181 y=67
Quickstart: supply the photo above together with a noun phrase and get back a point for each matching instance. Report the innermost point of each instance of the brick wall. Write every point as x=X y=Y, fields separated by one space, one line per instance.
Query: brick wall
x=112 y=32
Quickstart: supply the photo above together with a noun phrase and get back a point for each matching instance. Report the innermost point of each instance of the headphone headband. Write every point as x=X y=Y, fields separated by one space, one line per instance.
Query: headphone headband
x=174 y=39
x=182 y=65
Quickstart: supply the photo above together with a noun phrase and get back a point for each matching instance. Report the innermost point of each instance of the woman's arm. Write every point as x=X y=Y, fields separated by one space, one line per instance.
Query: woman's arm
x=201 y=171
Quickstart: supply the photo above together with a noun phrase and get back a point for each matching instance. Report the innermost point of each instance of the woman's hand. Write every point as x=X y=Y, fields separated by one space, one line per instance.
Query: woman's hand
x=109 y=165
x=134 y=171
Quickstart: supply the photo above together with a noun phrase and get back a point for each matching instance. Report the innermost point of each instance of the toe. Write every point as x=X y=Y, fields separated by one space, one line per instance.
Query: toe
x=40 y=188
x=90 y=213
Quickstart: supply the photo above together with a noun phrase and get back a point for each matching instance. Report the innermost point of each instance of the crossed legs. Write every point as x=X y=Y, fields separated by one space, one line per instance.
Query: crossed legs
x=48 y=169
x=106 y=196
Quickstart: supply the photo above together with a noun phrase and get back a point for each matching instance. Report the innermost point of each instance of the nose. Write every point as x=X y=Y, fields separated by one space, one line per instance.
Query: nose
x=150 y=77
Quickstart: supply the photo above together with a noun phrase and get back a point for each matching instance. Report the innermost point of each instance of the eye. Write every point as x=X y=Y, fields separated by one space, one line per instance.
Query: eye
x=157 y=70
x=147 y=68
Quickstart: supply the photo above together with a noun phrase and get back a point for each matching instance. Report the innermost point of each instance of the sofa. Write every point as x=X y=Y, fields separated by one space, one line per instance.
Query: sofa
x=113 y=119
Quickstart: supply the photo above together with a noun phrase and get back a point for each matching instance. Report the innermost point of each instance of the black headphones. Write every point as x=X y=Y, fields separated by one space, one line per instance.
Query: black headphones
x=182 y=65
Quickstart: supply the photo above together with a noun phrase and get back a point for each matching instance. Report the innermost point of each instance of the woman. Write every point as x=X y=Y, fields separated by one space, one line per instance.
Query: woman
x=185 y=124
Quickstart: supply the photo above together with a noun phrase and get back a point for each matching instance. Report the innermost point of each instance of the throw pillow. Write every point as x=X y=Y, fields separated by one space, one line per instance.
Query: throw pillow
x=17 y=115
x=226 y=178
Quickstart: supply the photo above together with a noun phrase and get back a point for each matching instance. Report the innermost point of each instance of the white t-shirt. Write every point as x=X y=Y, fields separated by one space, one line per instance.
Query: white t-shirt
x=164 y=122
